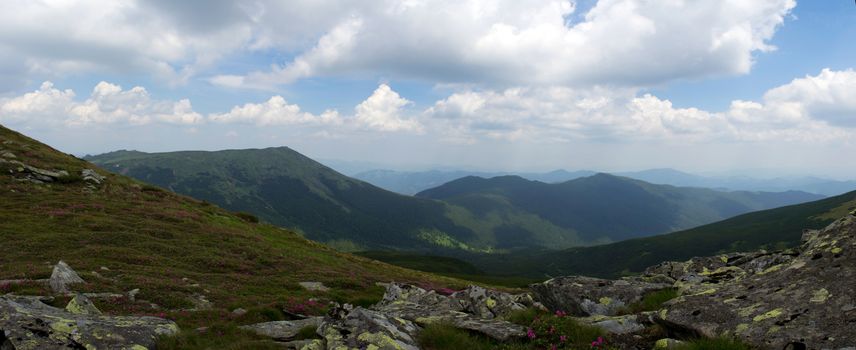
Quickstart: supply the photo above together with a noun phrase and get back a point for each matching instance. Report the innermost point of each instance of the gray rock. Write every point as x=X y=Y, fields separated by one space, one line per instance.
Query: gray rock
x=314 y=286
x=798 y=298
x=586 y=296
x=62 y=277
x=8 y=155
x=27 y=323
x=239 y=312
x=624 y=324
x=283 y=330
x=363 y=328
x=92 y=176
x=475 y=309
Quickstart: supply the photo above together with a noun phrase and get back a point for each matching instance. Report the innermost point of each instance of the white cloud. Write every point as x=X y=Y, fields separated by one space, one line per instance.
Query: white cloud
x=623 y=42
x=276 y=111
x=108 y=104
x=382 y=111
x=807 y=109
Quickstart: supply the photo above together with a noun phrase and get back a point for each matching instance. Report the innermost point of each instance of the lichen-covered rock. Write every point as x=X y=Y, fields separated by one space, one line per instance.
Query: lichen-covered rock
x=29 y=324
x=368 y=329
x=63 y=276
x=624 y=324
x=475 y=309
x=283 y=330
x=800 y=297
x=587 y=296
x=81 y=305
x=92 y=176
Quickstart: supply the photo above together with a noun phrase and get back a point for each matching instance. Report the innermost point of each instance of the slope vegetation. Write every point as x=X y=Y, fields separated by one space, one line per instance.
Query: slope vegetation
x=604 y=208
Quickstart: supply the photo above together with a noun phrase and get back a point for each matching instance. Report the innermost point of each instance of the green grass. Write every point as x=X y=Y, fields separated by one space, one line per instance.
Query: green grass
x=441 y=336
x=721 y=343
x=652 y=301
x=218 y=336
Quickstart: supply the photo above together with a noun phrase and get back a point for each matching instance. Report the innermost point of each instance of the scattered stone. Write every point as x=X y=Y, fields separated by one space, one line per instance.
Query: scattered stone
x=624 y=324
x=8 y=155
x=239 y=312
x=314 y=286
x=132 y=294
x=92 y=176
x=298 y=344
x=27 y=323
x=105 y=268
x=63 y=276
x=200 y=302
x=283 y=330
x=81 y=305
x=587 y=296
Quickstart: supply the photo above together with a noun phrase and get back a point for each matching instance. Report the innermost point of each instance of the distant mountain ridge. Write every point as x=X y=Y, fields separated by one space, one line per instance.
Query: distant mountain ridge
x=412 y=182
x=607 y=207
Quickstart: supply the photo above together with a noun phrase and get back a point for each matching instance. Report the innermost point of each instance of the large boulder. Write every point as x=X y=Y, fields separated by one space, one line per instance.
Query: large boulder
x=62 y=277
x=587 y=296
x=367 y=329
x=801 y=299
x=26 y=323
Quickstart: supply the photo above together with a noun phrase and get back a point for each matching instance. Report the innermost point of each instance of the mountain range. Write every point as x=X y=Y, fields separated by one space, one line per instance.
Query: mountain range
x=412 y=182
x=283 y=187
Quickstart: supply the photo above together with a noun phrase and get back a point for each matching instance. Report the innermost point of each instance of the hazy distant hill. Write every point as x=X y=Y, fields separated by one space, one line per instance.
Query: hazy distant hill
x=605 y=207
x=412 y=182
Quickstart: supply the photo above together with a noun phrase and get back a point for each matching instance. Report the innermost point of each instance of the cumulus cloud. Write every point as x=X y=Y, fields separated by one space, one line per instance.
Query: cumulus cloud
x=107 y=104
x=383 y=111
x=812 y=108
x=620 y=42
x=276 y=111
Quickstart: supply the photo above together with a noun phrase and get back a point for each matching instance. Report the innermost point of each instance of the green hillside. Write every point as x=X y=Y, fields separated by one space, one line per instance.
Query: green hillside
x=285 y=188
x=173 y=248
x=603 y=208
x=768 y=229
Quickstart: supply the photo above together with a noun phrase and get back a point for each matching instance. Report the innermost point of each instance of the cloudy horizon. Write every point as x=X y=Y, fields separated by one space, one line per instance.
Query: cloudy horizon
x=761 y=88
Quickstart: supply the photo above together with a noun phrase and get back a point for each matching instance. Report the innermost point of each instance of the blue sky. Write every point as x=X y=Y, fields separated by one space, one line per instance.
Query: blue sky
x=743 y=87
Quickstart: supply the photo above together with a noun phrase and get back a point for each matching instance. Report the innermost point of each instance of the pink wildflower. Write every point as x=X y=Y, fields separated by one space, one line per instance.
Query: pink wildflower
x=530 y=333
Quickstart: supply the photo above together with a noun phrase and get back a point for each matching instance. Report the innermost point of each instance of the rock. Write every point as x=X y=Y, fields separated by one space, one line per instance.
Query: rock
x=90 y=175
x=63 y=276
x=200 y=302
x=283 y=330
x=239 y=312
x=27 y=323
x=314 y=286
x=474 y=309
x=81 y=305
x=624 y=324
x=8 y=155
x=797 y=298
x=298 y=344
x=668 y=343
x=369 y=329
x=587 y=296
x=132 y=294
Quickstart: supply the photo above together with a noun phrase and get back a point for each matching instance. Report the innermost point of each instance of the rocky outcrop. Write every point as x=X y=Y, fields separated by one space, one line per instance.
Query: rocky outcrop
x=27 y=323
x=62 y=277
x=802 y=297
x=586 y=296
x=395 y=322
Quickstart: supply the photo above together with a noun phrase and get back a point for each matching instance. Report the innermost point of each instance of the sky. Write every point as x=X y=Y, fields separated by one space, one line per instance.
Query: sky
x=762 y=87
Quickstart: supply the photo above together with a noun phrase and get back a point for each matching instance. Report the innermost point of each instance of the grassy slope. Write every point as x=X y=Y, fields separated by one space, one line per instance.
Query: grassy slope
x=603 y=208
x=152 y=239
